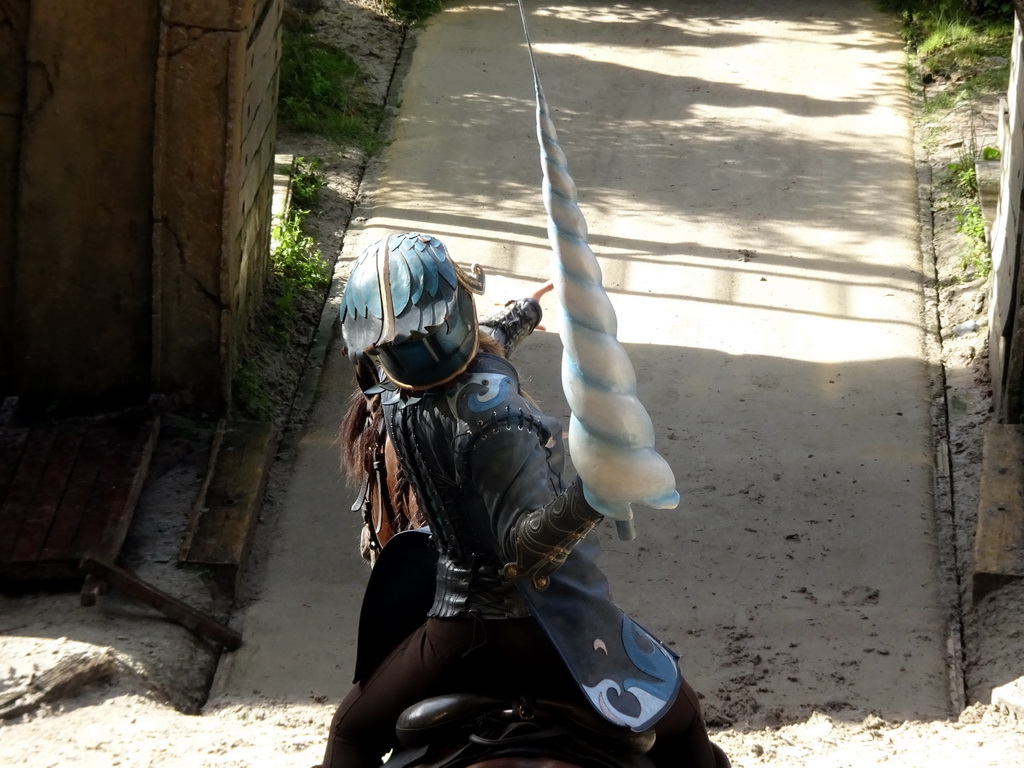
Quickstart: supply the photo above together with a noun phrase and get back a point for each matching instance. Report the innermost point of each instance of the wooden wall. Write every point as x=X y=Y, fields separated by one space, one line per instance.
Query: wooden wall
x=13 y=37
x=136 y=162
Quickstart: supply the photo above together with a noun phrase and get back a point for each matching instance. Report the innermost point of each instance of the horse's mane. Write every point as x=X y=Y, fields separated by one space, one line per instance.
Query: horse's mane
x=364 y=441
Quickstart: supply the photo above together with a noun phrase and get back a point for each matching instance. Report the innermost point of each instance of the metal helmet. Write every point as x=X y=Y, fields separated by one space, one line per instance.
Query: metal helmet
x=409 y=307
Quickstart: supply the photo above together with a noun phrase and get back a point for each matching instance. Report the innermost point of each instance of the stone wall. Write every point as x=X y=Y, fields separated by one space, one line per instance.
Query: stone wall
x=216 y=94
x=136 y=162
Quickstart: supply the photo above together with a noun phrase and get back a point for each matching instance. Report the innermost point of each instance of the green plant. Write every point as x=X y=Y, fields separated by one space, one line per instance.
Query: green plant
x=963 y=173
x=949 y=8
x=296 y=259
x=968 y=38
x=976 y=261
x=991 y=153
x=410 y=11
x=997 y=8
x=249 y=393
x=298 y=275
x=962 y=177
x=321 y=91
x=307 y=181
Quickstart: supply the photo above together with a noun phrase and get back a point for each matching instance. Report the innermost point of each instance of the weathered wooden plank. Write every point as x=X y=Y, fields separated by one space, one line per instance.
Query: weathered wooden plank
x=227 y=512
x=136 y=468
x=42 y=512
x=113 y=487
x=999 y=538
x=7 y=412
x=12 y=443
x=109 y=480
x=234 y=494
x=23 y=488
x=197 y=508
x=73 y=505
x=121 y=482
x=65 y=679
x=169 y=606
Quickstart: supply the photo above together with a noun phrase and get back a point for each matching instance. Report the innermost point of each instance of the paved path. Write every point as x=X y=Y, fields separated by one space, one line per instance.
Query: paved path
x=746 y=171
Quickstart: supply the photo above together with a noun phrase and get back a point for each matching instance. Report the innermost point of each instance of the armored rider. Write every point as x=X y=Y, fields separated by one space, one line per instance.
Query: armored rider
x=520 y=605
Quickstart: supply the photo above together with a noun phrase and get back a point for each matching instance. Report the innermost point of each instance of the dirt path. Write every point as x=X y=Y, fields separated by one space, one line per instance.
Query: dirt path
x=846 y=688
x=772 y=317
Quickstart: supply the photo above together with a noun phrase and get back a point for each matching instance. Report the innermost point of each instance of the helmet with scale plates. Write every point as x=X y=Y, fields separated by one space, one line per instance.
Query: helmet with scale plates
x=409 y=308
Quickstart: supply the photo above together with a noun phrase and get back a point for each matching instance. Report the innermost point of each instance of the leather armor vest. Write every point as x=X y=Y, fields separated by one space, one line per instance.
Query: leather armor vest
x=435 y=436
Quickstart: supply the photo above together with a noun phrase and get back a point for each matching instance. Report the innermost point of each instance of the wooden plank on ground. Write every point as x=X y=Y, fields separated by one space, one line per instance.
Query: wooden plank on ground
x=999 y=538
x=8 y=410
x=18 y=503
x=76 y=498
x=69 y=487
x=226 y=513
x=52 y=483
x=197 y=508
x=63 y=680
x=168 y=605
x=108 y=479
x=105 y=521
x=12 y=443
x=135 y=467
x=112 y=506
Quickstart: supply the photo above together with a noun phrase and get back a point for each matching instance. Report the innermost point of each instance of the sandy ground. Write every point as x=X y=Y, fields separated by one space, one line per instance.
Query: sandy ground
x=152 y=677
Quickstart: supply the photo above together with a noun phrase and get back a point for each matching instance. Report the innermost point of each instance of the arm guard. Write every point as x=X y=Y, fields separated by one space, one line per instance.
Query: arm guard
x=513 y=323
x=541 y=540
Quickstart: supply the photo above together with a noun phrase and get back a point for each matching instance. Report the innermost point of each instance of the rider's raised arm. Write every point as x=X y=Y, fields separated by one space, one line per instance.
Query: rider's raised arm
x=513 y=460
x=513 y=323
x=516 y=320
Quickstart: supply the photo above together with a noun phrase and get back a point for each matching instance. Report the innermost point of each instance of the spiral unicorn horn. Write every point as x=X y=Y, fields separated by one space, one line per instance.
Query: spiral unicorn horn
x=611 y=437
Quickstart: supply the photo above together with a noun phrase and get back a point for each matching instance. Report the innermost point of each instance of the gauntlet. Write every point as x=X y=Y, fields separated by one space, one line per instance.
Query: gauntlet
x=541 y=540
x=513 y=323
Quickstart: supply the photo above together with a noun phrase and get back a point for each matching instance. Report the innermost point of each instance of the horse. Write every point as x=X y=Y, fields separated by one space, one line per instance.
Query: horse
x=386 y=500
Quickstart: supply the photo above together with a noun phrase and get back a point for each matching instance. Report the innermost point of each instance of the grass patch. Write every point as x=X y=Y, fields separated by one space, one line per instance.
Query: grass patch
x=965 y=43
x=963 y=174
x=410 y=11
x=296 y=281
x=321 y=91
x=250 y=394
x=963 y=48
x=296 y=261
x=962 y=178
x=307 y=181
x=976 y=262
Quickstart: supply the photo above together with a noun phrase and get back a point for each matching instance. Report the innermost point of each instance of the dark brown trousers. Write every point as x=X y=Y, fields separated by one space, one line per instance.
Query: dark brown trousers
x=499 y=658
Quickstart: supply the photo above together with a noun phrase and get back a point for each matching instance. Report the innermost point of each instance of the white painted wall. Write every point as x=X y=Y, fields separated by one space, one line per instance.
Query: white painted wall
x=1006 y=227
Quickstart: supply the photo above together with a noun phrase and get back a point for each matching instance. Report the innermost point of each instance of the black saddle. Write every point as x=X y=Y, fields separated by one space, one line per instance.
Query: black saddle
x=490 y=727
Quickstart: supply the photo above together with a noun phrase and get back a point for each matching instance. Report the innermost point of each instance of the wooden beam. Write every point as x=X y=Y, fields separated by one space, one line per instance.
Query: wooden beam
x=8 y=411
x=999 y=537
x=226 y=513
x=66 y=678
x=171 y=607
